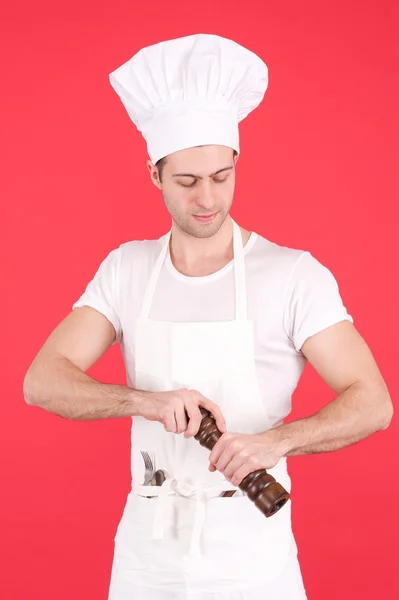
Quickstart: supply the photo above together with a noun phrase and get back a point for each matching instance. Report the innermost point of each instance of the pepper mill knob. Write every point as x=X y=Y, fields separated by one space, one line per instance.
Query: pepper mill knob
x=261 y=487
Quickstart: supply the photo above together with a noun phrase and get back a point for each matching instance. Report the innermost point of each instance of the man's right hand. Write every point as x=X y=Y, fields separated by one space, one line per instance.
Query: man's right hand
x=172 y=407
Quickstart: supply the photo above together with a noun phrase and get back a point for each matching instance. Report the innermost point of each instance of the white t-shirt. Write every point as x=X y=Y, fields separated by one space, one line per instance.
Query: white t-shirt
x=290 y=296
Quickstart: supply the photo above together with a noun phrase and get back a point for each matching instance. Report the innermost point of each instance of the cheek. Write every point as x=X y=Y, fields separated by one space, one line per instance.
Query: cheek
x=228 y=191
x=184 y=198
x=174 y=193
x=179 y=198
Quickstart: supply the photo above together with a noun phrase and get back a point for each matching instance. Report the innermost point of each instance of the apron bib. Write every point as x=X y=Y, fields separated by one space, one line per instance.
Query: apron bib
x=183 y=536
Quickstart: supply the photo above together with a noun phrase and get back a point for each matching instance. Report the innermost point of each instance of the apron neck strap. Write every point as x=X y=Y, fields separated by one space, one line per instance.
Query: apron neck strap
x=239 y=275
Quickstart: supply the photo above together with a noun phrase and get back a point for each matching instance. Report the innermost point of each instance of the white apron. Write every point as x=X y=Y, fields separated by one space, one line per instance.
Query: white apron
x=188 y=541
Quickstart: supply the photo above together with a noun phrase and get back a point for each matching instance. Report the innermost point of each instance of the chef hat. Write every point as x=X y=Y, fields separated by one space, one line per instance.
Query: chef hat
x=190 y=91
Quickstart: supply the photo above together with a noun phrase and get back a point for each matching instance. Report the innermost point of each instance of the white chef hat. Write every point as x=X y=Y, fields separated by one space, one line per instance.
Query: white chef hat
x=190 y=91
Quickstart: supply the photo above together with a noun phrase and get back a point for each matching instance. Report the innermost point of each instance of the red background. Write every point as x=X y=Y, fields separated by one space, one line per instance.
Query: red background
x=318 y=170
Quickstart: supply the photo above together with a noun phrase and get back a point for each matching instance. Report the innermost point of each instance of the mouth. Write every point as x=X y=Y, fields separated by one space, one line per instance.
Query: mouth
x=205 y=218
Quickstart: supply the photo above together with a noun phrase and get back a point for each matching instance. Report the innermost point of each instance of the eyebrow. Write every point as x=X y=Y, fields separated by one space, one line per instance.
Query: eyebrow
x=199 y=176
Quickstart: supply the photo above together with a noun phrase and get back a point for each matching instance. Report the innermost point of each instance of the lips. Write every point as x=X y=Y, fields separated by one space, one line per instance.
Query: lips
x=205 y=218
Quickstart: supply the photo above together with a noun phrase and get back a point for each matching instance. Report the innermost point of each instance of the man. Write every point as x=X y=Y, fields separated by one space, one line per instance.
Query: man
x=210 y=315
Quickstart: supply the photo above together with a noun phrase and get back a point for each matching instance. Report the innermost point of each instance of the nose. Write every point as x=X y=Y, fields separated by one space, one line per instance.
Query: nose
x=206 y=198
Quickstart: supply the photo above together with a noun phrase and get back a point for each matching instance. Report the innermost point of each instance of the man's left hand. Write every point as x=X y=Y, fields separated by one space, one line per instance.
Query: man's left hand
x=238 y=454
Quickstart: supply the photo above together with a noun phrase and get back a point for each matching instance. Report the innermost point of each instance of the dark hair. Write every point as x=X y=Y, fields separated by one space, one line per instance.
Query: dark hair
x=160 y=165
x=162 y=161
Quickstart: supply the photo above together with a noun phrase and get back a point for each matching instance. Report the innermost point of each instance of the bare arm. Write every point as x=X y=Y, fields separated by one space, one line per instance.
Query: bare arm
x=56 y=381
x=363 y=405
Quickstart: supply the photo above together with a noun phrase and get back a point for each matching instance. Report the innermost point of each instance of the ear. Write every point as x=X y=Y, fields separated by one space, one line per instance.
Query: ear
x=237 y=156
x=154 y=174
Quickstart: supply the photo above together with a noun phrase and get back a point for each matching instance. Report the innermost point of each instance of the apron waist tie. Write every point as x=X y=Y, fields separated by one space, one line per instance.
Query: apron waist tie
x=172 y=485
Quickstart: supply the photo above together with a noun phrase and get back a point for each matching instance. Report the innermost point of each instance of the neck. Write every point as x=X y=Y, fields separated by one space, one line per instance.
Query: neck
x=196 y=257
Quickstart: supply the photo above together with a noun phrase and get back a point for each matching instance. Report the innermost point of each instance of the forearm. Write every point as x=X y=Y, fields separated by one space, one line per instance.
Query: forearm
x=60 y=387
x=353 y=415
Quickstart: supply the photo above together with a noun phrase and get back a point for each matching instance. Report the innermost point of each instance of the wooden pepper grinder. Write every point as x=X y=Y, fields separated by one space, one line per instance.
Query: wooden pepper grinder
x=267 y=494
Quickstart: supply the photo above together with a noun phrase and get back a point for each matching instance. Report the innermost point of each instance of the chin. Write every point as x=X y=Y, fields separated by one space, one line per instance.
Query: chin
x=204 y=230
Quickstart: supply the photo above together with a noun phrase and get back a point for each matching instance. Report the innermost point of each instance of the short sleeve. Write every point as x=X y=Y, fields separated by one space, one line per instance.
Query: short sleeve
x=312 y=300
x=102 y=291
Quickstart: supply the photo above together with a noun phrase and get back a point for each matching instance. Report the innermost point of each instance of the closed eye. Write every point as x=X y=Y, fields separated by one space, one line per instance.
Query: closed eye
x=190 y=185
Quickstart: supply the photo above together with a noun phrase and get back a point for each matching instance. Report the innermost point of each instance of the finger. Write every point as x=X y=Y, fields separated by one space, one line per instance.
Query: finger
x=216 y=413
x=212 y=468
x=169 y=421
x=241 y=473
x=180 y=416
x=224 y=461
x=194 y=419
x=212 y=408
x=233 y=467
x=218 y=449
x=233 y=451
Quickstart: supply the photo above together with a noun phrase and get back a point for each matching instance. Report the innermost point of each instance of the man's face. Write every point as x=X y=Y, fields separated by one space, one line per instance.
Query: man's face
x=199 y=182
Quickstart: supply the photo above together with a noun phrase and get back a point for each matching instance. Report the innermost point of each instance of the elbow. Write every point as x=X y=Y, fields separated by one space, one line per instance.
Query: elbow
x=387 y=417
x=376 y=403
x=385 y=411
x=29 y=390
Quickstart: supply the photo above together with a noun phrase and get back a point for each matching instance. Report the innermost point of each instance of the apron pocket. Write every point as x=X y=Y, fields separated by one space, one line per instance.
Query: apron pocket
x=142 y=559
x=242 y=543
x=132 y=551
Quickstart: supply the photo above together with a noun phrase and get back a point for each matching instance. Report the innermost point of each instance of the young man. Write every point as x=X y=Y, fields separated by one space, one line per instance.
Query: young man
x=210 y=315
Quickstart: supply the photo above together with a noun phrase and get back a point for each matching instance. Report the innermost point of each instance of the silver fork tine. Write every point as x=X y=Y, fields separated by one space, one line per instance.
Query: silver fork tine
x=149 y=467
x=146 y=458
x=149 y=461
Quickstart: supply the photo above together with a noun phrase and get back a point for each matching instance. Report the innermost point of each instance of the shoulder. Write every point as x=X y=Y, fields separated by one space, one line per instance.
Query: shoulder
x=136 y=259
x=135 y=251
x=296 y=270
x=140 y=250
x=278 y=259
x=130 y=258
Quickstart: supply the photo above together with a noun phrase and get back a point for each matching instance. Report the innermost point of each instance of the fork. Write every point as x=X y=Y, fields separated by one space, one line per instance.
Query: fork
x=149 y=467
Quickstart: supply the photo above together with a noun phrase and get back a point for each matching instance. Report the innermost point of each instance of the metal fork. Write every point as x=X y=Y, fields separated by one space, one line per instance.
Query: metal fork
x=149 y=467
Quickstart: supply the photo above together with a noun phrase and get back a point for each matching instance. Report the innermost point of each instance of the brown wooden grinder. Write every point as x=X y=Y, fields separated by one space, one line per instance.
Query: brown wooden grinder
x=267 y=494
